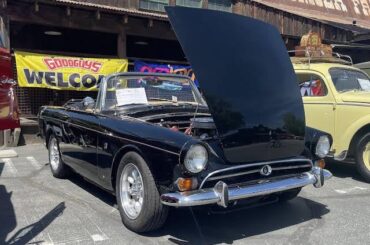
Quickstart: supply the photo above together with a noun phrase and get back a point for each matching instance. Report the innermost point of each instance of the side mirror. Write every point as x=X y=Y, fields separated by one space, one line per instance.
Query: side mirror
x=88 y=103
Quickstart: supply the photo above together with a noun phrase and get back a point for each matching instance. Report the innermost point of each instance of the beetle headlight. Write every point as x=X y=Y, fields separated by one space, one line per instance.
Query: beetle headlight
x=323 y=146
x=196 y=158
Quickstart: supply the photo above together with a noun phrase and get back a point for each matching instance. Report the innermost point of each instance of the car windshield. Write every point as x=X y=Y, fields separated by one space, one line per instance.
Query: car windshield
x=349 y=80
x=141 y=90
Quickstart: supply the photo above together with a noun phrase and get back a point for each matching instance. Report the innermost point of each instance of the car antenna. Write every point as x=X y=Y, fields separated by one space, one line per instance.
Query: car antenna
x=195 y=113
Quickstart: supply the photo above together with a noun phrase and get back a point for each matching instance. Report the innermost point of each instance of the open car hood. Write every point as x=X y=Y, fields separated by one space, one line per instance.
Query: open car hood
x=248 y=81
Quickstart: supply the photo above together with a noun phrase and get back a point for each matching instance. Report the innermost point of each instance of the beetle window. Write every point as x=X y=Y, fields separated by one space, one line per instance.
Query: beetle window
x=349 y=80
x=311 y=85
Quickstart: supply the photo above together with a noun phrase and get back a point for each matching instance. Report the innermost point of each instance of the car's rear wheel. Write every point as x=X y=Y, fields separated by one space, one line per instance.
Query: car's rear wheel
x=289 y=195
x=137 y=195
x=362 y=156
x=57 y=166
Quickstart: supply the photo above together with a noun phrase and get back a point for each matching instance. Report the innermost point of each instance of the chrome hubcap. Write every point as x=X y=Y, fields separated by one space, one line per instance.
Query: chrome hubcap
x=132 y=191
x=366 y=156
x=54 y=153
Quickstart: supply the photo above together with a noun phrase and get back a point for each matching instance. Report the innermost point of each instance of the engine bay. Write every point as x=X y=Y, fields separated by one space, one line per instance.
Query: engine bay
x=200 y=126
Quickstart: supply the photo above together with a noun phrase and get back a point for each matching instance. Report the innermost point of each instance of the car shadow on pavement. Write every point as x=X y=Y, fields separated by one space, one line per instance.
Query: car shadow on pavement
x=197 y=226
x=93 y=189
x=8 y=221
x=27 y=233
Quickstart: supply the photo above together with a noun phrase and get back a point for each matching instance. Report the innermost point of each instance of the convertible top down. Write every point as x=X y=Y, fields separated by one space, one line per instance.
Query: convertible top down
x=155 y=141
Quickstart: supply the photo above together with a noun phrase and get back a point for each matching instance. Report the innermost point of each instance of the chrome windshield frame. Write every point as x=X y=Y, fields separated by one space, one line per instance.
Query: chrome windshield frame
x=103 y=86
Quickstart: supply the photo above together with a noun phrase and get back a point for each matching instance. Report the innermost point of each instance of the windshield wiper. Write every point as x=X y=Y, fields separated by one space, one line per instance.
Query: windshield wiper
x=161 y=99
x=117 y=106
x=175 y=102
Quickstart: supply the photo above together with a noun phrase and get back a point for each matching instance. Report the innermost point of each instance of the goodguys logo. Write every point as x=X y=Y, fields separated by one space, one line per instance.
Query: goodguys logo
x=55 y=63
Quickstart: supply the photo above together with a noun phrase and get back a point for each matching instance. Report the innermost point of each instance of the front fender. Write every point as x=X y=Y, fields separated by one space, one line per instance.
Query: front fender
x=344 y=140
x=312 y=136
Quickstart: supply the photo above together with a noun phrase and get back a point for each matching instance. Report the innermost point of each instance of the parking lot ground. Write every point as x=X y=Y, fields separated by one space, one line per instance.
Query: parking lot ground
x=36 y=208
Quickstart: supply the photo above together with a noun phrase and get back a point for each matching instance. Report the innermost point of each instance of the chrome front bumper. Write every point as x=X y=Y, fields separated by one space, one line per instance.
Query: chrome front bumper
x=221 y=194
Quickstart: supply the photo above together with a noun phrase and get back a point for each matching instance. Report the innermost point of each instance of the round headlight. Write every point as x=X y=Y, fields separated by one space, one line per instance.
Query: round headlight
x=196 y=158
x=323 y=146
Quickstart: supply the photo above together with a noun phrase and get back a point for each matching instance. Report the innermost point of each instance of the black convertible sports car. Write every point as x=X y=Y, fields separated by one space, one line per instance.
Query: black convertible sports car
x=155 y=141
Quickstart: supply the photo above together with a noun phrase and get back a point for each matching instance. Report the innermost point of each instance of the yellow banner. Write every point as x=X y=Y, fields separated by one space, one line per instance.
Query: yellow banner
x=64 y=73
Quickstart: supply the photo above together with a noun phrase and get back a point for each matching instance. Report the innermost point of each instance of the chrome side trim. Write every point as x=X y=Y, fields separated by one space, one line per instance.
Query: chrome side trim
x=341 y=103
x=111 y=135
x=221 y=193
x=318 y=103
x=251 y=165
x=342 y=156
x=355 y=104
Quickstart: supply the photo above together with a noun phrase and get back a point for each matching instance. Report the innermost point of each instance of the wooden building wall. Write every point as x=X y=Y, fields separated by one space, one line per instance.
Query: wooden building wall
x=125 y=18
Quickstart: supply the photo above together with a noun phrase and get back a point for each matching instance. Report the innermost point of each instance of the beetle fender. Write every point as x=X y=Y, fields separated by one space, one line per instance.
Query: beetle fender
x=344 y=141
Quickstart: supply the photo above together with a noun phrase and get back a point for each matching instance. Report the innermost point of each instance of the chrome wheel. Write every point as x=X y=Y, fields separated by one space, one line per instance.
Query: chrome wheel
x=366 y=156
x=131 y=191
x=54 y=153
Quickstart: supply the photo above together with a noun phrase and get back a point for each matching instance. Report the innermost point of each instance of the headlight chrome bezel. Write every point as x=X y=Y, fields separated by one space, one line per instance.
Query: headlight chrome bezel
x=190 y=163
x=323 y=146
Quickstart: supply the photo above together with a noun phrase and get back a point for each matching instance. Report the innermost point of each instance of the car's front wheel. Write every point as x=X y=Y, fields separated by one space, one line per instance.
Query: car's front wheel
x=57 y=166
x=363 y=157
x=137 y=195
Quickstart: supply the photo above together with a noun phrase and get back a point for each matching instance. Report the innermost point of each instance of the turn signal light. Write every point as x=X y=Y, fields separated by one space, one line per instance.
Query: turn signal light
x=186 y=184
x=320 y=163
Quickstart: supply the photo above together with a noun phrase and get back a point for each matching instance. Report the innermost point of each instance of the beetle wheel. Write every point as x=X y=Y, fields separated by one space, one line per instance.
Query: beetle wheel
x=362 y=156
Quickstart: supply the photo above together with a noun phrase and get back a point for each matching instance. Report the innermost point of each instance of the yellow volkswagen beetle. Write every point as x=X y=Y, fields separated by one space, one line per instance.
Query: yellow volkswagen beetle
x=336 y=97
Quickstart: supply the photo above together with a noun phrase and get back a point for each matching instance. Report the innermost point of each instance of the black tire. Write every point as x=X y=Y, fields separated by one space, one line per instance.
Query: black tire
x=362 y=164
x=60 y=170
x=289 y=195
x=153 y=213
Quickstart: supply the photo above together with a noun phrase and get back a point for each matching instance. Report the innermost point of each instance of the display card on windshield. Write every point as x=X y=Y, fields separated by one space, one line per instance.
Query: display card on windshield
x=129 y=96
x=364 y=83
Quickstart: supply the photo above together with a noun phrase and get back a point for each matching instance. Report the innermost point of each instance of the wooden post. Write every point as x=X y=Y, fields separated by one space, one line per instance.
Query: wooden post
x=121 y=44
x=205 y=4
x=237 y=7
x=4 y=31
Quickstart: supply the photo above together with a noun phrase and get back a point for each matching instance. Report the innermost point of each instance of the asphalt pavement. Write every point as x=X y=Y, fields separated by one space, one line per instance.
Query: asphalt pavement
x=36 y=208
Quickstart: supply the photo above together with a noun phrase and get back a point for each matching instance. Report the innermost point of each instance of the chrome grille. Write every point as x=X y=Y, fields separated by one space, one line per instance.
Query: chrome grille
x=251 y=172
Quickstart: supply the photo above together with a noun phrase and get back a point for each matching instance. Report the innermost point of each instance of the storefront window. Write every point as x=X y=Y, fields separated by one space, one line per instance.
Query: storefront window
x=190 y=3
x=222 y=5
x=155 y=5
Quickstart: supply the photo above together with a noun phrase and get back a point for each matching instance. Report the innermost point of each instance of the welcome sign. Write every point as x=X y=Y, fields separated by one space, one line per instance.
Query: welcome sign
x=64 y=73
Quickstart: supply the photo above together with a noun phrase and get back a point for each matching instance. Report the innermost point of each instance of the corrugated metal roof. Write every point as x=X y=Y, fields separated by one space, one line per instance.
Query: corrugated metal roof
x=337 y=17
x=113 y=9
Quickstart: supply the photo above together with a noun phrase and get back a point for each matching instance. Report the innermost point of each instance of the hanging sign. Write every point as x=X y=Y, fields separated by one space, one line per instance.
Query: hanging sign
x=64 y=73
x=158 y=68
